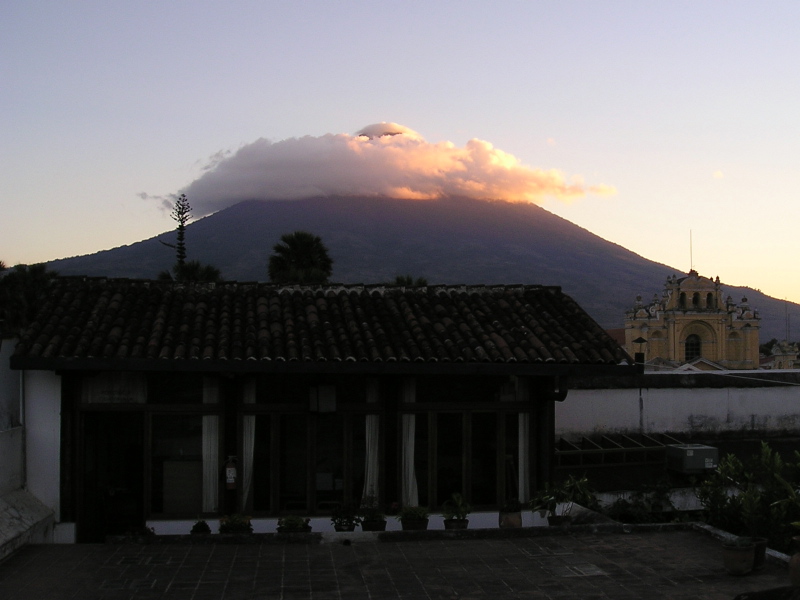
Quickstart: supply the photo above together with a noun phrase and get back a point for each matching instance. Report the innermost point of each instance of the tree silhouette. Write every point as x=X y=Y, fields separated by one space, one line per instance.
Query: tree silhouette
x=21 y=292
x=192 y=270
x=409 y=281
x=182 y=270
x=300 y=257
x=181 y=213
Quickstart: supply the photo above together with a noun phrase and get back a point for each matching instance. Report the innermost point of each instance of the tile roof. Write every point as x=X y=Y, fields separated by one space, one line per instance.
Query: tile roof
x=120 y=323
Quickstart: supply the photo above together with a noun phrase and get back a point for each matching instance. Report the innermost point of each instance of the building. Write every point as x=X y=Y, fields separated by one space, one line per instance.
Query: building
x=150 y=402
x=691 y=323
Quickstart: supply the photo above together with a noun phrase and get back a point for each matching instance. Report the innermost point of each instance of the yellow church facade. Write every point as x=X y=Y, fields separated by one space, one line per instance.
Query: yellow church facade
x=692 y=324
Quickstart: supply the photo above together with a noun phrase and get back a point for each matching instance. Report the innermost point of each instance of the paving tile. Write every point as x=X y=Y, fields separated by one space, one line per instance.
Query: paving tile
x=676 y=565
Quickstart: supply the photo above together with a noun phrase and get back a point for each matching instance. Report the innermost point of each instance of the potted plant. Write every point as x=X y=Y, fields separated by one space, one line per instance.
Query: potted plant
x=455 y=511
x=556 y=501
x=755 y=519
x=345 y=518
x=371 y=515
x=200 y=528
x=738 y=555
x=413 y=518
x=235 y=524
x=510 y=516
x=294 y=524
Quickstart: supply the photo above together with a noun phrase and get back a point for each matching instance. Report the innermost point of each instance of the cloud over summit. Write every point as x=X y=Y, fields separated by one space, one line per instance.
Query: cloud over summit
x=383 y=159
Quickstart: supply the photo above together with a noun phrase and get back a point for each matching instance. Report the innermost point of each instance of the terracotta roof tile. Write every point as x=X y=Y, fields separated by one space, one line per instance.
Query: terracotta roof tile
x=124 y=320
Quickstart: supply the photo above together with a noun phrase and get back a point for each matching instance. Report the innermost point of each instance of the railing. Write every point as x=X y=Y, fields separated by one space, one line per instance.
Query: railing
x=613 y=450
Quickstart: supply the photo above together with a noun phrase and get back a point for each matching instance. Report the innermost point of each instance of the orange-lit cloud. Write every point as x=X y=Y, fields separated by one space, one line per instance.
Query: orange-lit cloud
x=384 y=159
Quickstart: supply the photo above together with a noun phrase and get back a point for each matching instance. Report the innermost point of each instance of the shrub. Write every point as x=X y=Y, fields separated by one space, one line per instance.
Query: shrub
x=235 y=524
x=201 y=527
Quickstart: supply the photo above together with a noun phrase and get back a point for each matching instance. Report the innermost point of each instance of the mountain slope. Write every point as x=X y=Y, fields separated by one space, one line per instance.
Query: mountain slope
x=454 y=240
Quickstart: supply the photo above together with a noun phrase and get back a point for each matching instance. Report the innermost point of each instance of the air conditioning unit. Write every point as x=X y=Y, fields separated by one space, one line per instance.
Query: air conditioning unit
x=691 y=458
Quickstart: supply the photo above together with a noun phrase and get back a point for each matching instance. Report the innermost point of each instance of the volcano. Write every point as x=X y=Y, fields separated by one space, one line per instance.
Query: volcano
x=446 y=241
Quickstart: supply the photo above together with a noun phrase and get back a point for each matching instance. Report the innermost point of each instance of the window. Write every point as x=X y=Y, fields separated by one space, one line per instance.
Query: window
x=177 y=464
x=692 y=347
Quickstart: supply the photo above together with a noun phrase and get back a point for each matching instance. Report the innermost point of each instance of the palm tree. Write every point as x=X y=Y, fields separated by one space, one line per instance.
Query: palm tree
x=300 y=257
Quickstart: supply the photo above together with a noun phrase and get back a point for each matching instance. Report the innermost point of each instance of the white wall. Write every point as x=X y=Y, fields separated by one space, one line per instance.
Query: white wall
x=11 y=473
x=43 y=436
x=768 y=409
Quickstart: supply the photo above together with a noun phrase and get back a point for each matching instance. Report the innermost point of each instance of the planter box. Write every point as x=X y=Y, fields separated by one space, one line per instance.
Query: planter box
x=306 y=529
x=373 y=526
x=414 y=525
x=456 y=523
x=510 y=520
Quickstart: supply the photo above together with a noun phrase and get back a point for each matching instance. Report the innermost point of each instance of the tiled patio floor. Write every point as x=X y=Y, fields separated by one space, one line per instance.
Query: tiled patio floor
x=652 y=565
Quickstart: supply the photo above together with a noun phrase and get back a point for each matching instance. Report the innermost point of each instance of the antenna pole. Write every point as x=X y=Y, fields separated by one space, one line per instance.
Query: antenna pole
x=691 y=256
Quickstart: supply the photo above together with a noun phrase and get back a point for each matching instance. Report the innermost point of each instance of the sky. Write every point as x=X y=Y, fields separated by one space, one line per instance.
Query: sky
x=670 y=128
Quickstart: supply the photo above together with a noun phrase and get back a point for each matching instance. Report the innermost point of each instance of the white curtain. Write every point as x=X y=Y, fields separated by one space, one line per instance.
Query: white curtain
x=371 y=461
x=523 y=440
x=410 y=491
x=210 y=447
x=248 y=442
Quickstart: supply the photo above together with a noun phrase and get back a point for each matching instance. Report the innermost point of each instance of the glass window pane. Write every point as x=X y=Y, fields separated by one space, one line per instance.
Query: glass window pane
x=261 y=464
x=176 y=388
x=484 y=459
x=278 y=389
x=177 y=464
x=512 y=457
x=421 y=462
x=329 y=472
x=449 y=457
x=293 y=462
x=359 y=444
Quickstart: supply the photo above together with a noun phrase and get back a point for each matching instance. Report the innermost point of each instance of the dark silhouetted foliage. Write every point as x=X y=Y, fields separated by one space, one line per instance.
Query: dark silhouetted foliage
x=300 y=257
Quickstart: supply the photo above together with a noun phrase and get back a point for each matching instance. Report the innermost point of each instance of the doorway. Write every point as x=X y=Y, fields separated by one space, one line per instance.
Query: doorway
x=111 y=496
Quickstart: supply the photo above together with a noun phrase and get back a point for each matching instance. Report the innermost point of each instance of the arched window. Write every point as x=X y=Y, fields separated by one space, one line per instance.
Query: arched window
x=682 y=301
x=692 y=347
x=696 y=300
x=710 y=300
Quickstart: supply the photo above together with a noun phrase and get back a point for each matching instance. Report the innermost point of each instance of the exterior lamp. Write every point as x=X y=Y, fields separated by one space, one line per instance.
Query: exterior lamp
x=638 y=356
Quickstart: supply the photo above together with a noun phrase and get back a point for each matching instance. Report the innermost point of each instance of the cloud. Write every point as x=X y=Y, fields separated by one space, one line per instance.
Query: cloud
x=384 y=159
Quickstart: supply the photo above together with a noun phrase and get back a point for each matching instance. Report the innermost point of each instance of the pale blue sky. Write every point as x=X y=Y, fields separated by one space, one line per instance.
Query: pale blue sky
x=690 y=109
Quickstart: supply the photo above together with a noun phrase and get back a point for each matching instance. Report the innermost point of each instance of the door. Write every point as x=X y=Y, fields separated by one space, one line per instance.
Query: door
x=111 y=475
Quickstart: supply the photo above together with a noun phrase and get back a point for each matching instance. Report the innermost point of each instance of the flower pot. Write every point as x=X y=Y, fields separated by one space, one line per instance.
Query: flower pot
x=414 y=524
x=794 y=563
x=510 y=520
x=350 y=527
x=559 y=520
x=456 y=523
x=379 y=525
x=760 y=556
x=306 y=529
x=738 y=558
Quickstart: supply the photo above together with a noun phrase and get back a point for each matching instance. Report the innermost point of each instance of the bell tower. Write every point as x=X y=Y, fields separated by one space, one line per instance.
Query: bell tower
x=691 y=323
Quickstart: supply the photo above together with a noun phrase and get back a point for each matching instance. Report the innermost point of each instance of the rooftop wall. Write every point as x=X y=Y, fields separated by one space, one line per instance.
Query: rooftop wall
x=685 y=404
x=11 y=472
